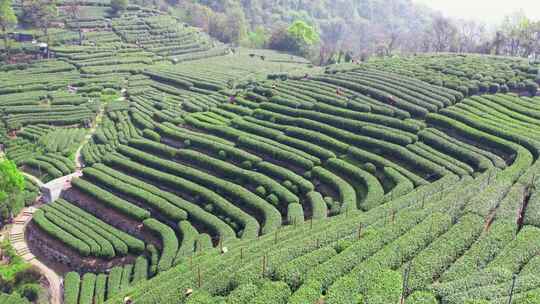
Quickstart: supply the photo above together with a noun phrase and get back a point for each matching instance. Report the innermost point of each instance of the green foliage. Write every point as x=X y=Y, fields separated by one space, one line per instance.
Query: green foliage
x=87 y=288
x=422 y=297
x=12 y=185
x=72 y=283
x=99 y=290
x=529 y=298
x=30 y=291
x=8 y=19
x=40 y=13
x=272 y=292
x=303 y=33
x=169 y=243
x=11 y=180
x=258 y=38
x=16 y=265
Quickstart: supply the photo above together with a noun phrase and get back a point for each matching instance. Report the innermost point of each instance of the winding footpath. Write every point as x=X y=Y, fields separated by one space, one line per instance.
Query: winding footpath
x=18 y=241
x=16 y=233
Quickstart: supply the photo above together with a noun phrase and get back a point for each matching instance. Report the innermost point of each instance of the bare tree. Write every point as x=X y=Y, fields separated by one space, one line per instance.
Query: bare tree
x=444 y=34
x=331 y=38
x=471 y=34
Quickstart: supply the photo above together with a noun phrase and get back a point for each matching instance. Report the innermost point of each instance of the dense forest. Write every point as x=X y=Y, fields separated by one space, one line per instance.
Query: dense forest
x=362 y=27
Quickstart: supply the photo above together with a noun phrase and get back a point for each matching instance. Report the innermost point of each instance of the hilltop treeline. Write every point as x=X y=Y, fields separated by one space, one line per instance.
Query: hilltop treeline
x=360 y=27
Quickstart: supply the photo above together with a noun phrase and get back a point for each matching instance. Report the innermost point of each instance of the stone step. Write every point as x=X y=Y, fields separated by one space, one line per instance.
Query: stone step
x=17 y=229
x=23 y=252
x=19 y=246
x=28 y=256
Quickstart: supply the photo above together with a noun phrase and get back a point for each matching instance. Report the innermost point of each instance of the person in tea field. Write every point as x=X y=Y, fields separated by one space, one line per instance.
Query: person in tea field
x=392 y=100
x=232 y=99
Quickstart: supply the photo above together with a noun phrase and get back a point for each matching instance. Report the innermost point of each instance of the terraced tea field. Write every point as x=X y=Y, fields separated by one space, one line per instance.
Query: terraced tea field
x=219 y=175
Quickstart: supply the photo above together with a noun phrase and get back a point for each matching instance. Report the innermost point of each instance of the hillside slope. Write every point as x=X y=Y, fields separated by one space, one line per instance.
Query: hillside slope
x=232 y=175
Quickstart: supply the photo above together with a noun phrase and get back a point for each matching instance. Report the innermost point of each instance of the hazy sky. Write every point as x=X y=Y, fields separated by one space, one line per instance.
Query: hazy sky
x=489 y=11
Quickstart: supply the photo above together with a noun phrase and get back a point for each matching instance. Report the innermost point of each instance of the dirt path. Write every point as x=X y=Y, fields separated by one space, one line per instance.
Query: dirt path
x=78 y=157
x=18 y=241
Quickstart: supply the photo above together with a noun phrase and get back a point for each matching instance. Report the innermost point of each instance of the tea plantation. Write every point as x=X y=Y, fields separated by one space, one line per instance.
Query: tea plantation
x=213 y=174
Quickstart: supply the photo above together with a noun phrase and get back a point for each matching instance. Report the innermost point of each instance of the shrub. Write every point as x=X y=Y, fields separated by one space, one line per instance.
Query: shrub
x=422 y=297
x=114 y=280
x=272 y=292
x=243 y=294
x=53 y=230
x=99 y=291
x=72 y=283
x=157 y=203
x=347 y=195
x=87 y=288
x=152 y=135
x=111 y=200
x=30 y=291
x=169 y=242
x=531 y=87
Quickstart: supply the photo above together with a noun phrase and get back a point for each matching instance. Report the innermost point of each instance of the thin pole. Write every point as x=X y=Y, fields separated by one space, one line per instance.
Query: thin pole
x=405 y=284
x=264 y=265
x=514 y=278
x=199 y=276
x=220 y=245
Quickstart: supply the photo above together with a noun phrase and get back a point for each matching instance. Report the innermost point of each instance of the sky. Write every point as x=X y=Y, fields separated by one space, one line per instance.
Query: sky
x=489 y=11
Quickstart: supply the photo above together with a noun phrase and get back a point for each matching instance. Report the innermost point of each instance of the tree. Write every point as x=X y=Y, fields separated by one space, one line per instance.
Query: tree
x=41 y=13
x=11 y=184
x=7 y=21
x=236 y=24
x=73 y=10
x=11 y=180
x=471 y=35
x=303 y=33
x=119 y=5
x=258 y=38
x=198 y=15
x=498 y=42
x=332 y=32
x=444 y=34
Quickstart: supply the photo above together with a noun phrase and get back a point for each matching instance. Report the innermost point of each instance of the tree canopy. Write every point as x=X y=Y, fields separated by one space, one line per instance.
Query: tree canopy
x=7 y=14
x=41 y=14
x=11 y=185
x=303 y=33
x=8 y=19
